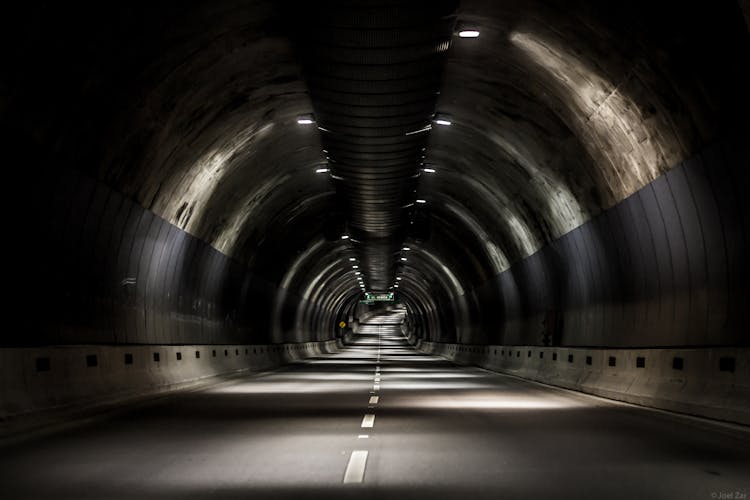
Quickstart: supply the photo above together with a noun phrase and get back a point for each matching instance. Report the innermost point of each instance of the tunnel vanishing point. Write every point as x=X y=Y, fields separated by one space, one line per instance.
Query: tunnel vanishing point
x=376 y=248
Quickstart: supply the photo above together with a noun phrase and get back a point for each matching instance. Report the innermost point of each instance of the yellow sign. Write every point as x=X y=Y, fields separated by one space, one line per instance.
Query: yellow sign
x=342 y=324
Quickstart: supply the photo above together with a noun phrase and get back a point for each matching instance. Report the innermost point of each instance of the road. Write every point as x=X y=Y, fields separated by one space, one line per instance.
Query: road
x=381 y=420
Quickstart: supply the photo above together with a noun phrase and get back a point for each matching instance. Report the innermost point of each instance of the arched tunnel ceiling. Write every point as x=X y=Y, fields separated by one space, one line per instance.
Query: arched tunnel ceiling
x=555 y=118
x=559 y=111
x=562 y=110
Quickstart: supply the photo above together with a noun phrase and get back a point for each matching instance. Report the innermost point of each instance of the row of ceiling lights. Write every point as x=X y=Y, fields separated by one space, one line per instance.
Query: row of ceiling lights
x=358 y=274
x=309 y=120
x=403 y=259
x=439 y=119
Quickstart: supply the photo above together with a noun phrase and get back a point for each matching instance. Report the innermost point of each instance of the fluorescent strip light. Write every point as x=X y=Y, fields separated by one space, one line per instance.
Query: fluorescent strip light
x=424 y=129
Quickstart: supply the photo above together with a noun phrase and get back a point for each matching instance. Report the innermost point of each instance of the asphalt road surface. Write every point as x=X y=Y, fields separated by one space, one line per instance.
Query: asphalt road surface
x=381 y=420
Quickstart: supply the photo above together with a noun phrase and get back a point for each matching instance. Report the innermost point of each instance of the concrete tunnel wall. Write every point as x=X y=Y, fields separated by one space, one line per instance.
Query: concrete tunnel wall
x=707 y=382
x=122 y=274
x=666 y=266
x=178 y=296
x=162 y=193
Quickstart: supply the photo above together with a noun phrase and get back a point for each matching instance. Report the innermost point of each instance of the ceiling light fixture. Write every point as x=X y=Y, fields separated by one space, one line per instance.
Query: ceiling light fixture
x=321 y=170
x=442 y=119
x=418 y=131
x=429 y=170
x=468 y=34
x=421 y=201
x=344 y=237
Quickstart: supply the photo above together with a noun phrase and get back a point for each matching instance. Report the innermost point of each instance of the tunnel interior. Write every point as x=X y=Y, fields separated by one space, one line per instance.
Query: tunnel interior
x=241 y=173
x=376 y=249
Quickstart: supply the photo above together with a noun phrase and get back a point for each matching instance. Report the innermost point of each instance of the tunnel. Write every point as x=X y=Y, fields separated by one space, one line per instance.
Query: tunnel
x=376 y=249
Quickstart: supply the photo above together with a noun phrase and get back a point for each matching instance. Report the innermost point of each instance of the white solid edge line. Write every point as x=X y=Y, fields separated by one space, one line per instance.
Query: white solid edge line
x=374 y=400
x=368 y=420
x=355 y=469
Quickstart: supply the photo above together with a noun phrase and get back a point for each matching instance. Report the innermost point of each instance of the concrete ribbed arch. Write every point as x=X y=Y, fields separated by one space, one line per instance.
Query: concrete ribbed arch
x=594 y=169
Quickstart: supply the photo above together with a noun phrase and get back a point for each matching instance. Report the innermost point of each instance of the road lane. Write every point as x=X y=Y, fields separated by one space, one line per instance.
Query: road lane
x=438 y=430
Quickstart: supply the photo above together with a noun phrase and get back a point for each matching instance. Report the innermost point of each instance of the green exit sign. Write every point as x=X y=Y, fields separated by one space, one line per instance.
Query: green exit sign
x=379 y=297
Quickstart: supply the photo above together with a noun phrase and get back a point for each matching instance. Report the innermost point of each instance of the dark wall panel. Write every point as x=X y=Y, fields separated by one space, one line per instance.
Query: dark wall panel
x=667 y=266
x=102 y=270
x=727 y=195
x=715 y=288
x=696 y=256
x=612 y=264
x=663 y=309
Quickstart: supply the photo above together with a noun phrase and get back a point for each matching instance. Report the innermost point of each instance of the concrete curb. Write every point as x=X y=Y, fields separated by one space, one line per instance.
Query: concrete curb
x=705 y=382
x=57 y=378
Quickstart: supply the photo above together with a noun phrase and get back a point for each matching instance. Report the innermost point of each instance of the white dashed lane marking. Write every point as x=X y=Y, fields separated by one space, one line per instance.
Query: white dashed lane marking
x=368 y=420
x=355 y=469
